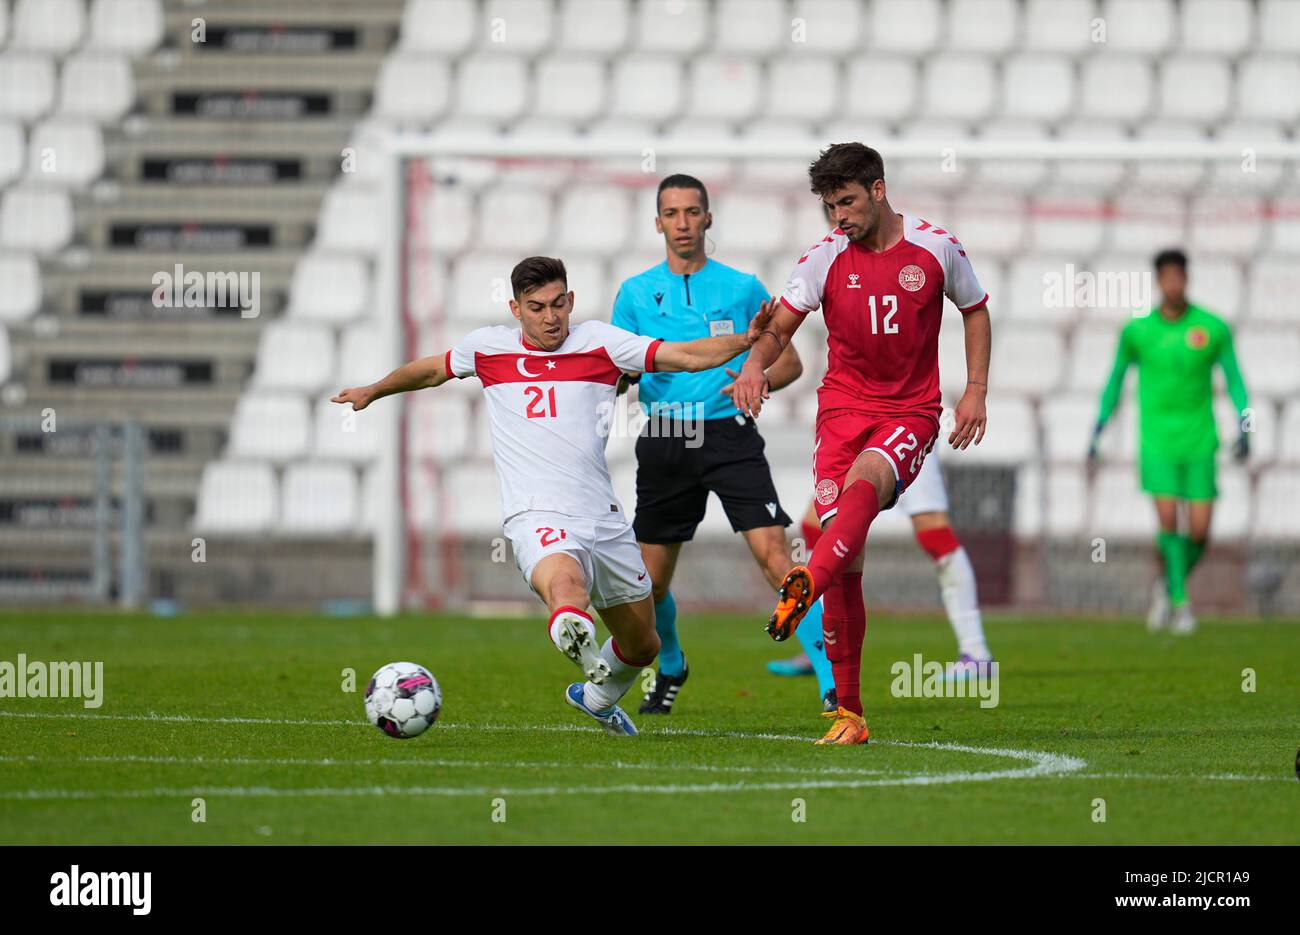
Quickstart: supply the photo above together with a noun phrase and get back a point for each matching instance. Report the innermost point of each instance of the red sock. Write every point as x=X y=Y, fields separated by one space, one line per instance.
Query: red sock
x=811 y=533
x=938 y=542
x=844 y=627
x=845 y=536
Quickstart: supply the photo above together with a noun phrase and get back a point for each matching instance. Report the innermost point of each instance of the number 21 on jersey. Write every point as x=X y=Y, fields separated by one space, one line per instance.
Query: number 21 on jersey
x=541 y=403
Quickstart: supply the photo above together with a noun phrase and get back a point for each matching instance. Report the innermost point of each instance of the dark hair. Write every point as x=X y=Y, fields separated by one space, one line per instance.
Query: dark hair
x=1172 y=257
x=683 y=181
x=535 y=272
x=842 y=163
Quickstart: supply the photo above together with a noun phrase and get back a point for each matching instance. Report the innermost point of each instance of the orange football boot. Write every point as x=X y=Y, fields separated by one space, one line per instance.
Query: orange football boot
x=793 y=601
x=849 y=728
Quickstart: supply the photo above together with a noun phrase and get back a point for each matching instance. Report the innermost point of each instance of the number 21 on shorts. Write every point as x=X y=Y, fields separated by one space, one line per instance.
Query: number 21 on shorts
x=550 y=535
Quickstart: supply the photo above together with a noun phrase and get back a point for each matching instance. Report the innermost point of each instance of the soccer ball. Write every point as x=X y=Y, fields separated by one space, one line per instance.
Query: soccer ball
x=403 y=699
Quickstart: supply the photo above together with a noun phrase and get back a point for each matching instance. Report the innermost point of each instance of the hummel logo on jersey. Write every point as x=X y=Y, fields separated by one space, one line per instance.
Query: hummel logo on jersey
x=659 y=298
x=840 y=549
x=771 y=508
x=829 y=637
x=853 y=281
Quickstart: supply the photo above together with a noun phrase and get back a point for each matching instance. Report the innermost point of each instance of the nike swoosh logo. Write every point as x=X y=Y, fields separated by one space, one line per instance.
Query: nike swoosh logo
x=641 y=576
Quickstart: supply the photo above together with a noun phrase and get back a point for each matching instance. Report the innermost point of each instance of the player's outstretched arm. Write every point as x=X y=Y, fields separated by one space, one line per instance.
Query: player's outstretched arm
x=754 y=385
x=707 y=353
x=417 y=375
x=970 y=414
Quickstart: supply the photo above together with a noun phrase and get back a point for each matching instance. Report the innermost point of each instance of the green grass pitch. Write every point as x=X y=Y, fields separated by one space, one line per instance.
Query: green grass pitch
x=246 y=711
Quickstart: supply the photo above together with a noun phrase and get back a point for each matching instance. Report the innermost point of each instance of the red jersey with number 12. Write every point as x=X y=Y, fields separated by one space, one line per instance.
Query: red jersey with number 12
x=882 y=312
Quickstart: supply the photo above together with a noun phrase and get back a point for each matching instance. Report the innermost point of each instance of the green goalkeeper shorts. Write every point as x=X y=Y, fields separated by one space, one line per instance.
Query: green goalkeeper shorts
x=1187 y=480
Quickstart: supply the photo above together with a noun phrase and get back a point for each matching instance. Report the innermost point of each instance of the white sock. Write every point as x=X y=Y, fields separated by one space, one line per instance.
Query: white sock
x=622 y=675
x=558 y=617
x=960 y=600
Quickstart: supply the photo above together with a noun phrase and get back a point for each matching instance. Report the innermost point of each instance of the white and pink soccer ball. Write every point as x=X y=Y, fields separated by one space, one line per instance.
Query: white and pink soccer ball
x=403 y=699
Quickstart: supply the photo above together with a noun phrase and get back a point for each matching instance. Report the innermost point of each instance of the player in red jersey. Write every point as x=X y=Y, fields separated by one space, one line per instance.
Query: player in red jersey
x=879 y=278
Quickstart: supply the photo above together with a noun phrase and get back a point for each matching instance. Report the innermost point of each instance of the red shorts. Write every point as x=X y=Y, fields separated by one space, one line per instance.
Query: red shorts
x=843 y=434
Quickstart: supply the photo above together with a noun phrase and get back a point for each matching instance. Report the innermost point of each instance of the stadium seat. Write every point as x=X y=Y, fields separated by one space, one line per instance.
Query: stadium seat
x=133 y=27
x=1063 y=222
x=1030 y=521
x=1226 y=224
x=594 y=218
x=908 y=26
x=1223 y=27
x=97 y=85
x=4 y=22
x=1067 y=420
x=1227 y=175
x=1012 y=438
x=593 y=296
x=676 y=27
x=1288 y=436
x=1279 y=25
x=1141 y=222
x=750 y=222
x=1277 y=486
x=1263 y=427
x=520 y=27
x=318 y=499
x=269 y=426
x=1037 y=87
x=295 y=355
x=514 y=218
x=329 y=287
x=66 y=152
x=868 y=74
x=1266 y=88
x=647 y=87
x=724 y=88
x=989 y=27
x=1195 y=87
x=1143 y=26
x=1268 y=360
x=1115 y=87
x=35 y=217
x=929 y=178
x=343 y=435
x=1185 y=176
x=349 y=220
x=472 y=496
x=1119 y=507
x=1029 y=360
x=1059 y=26
x=236 y=497
x=13 y=154
x=569 y=87
x=786 y=93
x=492 y=86
x=412 y=88
x=958 y=86
x=1098 y=176
x=1274 y=285
x=54 y=26
x=1092 y=352
x=438 y=428
x=481 y=287
x=599 y=27
x=27 y=85
x=443 y=27
x=1232 y=509
x=1215 y=282
x=361 y=358
x=21 y=296
x=827 y=27
x=449 y=223
x=751 y=27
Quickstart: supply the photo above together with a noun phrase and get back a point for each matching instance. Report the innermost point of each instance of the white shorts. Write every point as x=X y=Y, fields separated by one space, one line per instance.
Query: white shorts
x=605 y=548
x=927 y=493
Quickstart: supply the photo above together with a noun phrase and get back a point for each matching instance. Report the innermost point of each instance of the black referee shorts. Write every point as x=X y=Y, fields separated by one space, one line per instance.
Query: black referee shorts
x=673 y=480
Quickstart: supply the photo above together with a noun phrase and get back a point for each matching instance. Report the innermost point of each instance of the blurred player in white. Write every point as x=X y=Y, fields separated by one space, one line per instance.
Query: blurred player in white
x=550 y=392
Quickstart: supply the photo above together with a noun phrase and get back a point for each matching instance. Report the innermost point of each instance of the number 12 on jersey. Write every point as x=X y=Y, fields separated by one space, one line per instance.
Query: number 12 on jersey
x=890 y=303
x=536 y=408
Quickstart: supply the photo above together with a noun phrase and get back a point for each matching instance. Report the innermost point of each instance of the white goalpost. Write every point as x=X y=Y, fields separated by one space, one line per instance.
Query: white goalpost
x=415 y=553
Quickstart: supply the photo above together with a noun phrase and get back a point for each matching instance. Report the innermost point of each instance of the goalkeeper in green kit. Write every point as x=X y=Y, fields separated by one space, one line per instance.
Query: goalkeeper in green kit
x=1175 y=347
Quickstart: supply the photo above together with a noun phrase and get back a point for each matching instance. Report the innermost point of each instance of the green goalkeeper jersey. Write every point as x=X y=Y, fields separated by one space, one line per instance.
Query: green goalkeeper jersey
x=1175 y=390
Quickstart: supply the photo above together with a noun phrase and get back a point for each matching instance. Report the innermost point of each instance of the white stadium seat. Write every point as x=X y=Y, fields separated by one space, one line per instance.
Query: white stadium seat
x=27 y=85
x=753 y=27
x=828 y=26
x=329 y=287
x=1120 y=507
x=269 y=426
x=592 y=292
x=130 y=26
x=1185 y=176
x=788 y=84
x=867 y=76
x=600 y=27
x=986 y=26
x=349 y=219
x=594 y=218
x=1227 y=175
x=910 y=26
x=1027 y=284
x=1277 y=486
x=472 y=496
x=1115 y=87
x=1037 y=86
x=1266 y=88
x=1068 y=420
x=1092 y=354
x=1226 y=224
x=1063 y=222
x=518 y=26
x=724 y=88
x=6 y=360
x=36 y=218
x=1232 y=508
x=4 y=22
x=481 y=287
x=1063 y=26
x=318 y=499
x=1141 y=220
x=438 y=428
x=996 y=223
x=1066 y=501
x=361 y=359
x=343 y=435
x=1215 y=282
x=66 y=152
x=1279 y=25
x=647 y=87
x=236 y=497
x=54 y=26
x=412 y=88
x=492 y=86
x=98 y=85
x=1012 y=437
x=514 y=218
x=1013 y=175
x=1268 y=356
x=1195 y=87
x=1099 y=176
x=750 y=221
x=1145 y=26
x=678 y=27
x=570 y=87
x=1263 y=428
x=1028 y=360
x=958 y=86
x=444 y=27
x=1220 y=26
x=450 y=219
x=1288 y=435
x=13 y=153
x=1274 y=285
x=295 y=355
x=21 y=296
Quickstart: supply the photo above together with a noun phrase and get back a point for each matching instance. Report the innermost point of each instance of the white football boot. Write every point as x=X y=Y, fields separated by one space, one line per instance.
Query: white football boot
x=575 y=636
x=1184 y=622
x=1161 y=613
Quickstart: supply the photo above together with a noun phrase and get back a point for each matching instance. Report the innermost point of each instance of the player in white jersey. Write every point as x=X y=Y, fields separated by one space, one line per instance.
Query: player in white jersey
x=550 y=393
